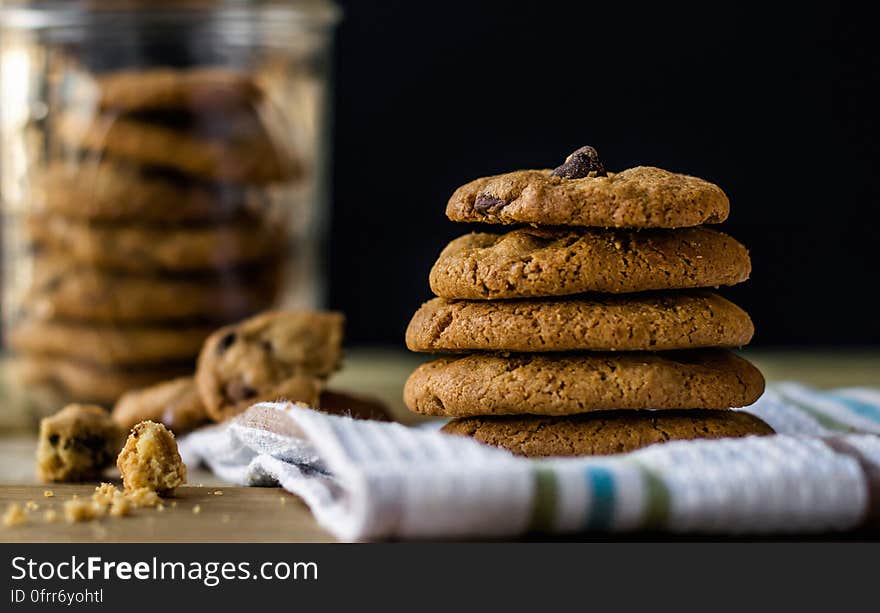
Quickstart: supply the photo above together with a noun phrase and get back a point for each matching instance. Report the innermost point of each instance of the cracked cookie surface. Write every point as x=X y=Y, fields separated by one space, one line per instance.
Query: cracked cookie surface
x=641 y=197
x=540 y=262
x=641 y=322
x=604 y=433
x=566 y=384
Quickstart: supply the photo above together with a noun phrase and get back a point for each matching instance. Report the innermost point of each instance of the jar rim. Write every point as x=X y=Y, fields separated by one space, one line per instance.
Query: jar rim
x=51 y=14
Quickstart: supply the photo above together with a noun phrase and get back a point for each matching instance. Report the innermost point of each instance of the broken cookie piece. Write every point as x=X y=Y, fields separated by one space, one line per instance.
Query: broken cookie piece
x=175 y=403
x=77 y=444
x=150 y=460
x=279 y=355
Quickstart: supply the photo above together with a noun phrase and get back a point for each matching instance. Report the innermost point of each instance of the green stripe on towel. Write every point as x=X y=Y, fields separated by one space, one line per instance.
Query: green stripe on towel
x=543 y=518
x=656 y=509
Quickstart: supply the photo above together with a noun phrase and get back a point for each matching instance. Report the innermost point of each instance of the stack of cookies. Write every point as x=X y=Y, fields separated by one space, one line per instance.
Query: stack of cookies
x=589 y=329
x=154 y=220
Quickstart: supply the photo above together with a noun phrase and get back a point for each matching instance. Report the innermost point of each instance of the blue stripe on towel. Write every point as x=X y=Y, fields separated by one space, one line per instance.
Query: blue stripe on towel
x=602 y=495
x=859 y=407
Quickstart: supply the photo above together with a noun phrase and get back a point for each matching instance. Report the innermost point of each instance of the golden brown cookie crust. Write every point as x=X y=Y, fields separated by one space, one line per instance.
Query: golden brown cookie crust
x=169 y=88
x=62 y=289
x=235 y=149
x=273 y=356
x=537 y=262
x=107 y=345
x=641 y=197
x=77 y=443
x=604 y=433
x=176 y=404
x=139 y=248
x=640 y=322
x=567 y=384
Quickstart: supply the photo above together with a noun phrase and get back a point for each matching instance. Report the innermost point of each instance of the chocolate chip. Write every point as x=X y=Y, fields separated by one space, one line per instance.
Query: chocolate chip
x=582 y=163
x=226 y=342
x=239 y=390
x=267 y=346
x=488 y=204
x=53 y=439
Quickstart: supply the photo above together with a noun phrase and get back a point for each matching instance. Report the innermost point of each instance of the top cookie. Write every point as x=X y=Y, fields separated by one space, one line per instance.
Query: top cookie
x=641 y=197
x=169 y=88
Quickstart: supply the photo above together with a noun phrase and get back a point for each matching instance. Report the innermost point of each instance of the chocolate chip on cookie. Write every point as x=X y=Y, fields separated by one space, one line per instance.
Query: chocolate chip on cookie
x=485 y=203
x=582 y=163
x=77 y=443
x=276 y=355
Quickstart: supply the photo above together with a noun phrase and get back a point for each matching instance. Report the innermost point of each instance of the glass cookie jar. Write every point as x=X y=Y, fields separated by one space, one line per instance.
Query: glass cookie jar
x=162 y=171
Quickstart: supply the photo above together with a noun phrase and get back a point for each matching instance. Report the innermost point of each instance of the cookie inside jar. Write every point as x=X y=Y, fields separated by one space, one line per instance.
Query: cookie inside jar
x=162 y=195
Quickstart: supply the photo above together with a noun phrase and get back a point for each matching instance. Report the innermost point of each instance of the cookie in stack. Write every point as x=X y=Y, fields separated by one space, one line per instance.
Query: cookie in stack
x=153 y=223
x=589 y=329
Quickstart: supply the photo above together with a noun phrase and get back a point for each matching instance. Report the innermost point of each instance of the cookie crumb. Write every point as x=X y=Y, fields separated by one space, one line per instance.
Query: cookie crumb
x=197 y=509
x=30 y=505
x=50 y=516
x=282 y=499
x=48 y=493
x=150 y=460
x=160 y=507
x=173 y=504
x=76 y=510
x=143 y=497
x=120 y=507
x=218 y=493
x=112 y=499
x=14 y=515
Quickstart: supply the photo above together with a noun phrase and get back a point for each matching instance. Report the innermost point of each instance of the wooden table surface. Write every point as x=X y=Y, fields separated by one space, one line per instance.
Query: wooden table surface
x=258 y=514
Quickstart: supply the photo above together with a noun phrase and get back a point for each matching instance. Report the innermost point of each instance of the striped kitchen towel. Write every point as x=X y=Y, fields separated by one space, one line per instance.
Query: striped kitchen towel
x=371 y=480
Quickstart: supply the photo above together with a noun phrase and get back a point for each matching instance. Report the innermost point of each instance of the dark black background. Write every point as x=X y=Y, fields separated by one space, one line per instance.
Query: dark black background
x=773 y=103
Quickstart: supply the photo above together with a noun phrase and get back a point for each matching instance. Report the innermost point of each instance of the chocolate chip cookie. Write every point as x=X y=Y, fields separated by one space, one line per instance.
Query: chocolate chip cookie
x=604 y=433
x=218 y=147
x=77 y=443
x=89 y=383
x=641 y=197
x=141 y=248
x=65 y=290
x=113 y=191
x=175 y=404
x=641 y=322
x=566 y=384
x=275 y=355
x=107 y=345
x=210 y=87
x=541 y=262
